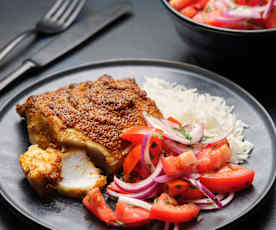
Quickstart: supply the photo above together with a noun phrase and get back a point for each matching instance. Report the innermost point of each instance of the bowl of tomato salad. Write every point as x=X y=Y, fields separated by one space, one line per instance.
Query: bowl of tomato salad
x=225 y=30
x=171 y=174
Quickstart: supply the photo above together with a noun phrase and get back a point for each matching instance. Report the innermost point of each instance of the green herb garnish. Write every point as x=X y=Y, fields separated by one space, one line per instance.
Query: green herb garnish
x=184 y=133
x=167 y=201
x=205 y=138
x=119 y=223
x=207 y=9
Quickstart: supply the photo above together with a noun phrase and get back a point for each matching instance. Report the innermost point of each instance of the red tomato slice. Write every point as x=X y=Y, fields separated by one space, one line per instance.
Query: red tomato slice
x=189 y=11
x=130 y=216
x=166 y=209
x=185 y=163
x=180 y=4
x=131 y=161
x=192 y=9
x=182 y=190
x=218 y=144
x=213 y=158
x=136 y=134
x=251 y=2
x=270 y=22
x=173 y=120
x=95 y=203
x=230 y=178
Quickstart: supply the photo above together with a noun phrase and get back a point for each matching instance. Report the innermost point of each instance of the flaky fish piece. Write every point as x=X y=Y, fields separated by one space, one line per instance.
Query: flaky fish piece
x=42 y=168
x=71 y=173
x=89 y=115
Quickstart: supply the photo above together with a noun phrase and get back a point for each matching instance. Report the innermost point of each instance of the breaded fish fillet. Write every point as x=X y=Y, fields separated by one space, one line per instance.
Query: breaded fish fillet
x=90 y=115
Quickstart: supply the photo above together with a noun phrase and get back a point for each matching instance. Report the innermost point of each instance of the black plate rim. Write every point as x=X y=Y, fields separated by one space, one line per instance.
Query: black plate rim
x=139 y=61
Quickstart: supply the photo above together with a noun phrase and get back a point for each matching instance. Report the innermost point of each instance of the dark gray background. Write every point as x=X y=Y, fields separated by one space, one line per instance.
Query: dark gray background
x=148 y=33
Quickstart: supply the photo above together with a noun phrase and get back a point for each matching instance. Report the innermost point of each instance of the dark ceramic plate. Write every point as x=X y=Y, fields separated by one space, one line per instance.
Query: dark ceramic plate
x=61 y=213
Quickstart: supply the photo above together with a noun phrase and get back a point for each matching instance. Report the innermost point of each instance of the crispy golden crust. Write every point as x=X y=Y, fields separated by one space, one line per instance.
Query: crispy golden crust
x=42 y=168
x=97 y=111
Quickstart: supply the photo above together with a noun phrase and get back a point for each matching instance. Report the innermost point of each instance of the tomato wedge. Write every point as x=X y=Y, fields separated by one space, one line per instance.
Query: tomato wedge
x=131 y=161
x=173 y=120
x=136 y=134
x=182 y=190
x=270 y=22
x=213 y=157
x=166 y=209
x=185 y=163
x=130 y=216
x=95 y=203
x=230 y=178
x=251 y=2
x=180 y=4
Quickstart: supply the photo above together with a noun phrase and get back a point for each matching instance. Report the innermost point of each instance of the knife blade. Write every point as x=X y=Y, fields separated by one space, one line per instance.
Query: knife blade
x=70 y=39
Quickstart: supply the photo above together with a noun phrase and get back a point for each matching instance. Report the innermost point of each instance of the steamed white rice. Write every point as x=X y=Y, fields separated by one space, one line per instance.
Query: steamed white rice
x=189 y=106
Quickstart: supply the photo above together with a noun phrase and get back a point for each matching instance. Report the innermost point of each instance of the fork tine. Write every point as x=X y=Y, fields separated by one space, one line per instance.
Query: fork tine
x=68 y=11
x=75 y=13
x=61 y=10
x=53 y=9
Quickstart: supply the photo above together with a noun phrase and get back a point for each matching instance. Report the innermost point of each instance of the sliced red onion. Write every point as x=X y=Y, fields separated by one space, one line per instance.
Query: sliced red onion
x=135 y=202
x=233 y=5
x=145 y=153
x=141 y=185
x=229 y=20
x=172 y=133
x=176 y=226
x=195 y=130
x=171 y=124
x=242 y=13
x=268 y=9
x=167 y=226
x=176 y=147
x=154 y=122
x=164 y=179
x=141 y=195
x=224 y=202
x=207 y=201
x=205 y=190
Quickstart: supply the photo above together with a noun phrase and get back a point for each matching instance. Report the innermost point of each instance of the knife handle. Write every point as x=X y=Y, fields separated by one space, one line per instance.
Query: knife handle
x=24 y=67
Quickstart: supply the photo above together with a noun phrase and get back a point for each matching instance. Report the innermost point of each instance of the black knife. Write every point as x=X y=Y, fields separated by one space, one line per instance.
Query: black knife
x=70 y=39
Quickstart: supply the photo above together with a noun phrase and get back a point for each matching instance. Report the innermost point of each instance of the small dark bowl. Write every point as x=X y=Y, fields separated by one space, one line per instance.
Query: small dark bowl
x=214 y=45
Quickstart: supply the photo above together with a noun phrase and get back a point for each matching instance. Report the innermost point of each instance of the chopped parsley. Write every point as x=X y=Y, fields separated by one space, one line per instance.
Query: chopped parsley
x=155 y=200
x=167 y=201
x=207 y=9
x=207 y=174
x=184 y=133
x=119 y=223
x=205 y=138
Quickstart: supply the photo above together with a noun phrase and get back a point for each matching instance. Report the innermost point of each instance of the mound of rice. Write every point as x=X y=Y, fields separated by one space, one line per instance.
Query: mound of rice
x=188 y=106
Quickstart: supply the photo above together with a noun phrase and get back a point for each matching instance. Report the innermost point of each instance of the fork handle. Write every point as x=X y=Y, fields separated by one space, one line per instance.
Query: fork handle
x=13 y=43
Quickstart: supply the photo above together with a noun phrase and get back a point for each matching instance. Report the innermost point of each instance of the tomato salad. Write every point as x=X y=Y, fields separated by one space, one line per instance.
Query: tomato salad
x=171 y=173
x=233 y=14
